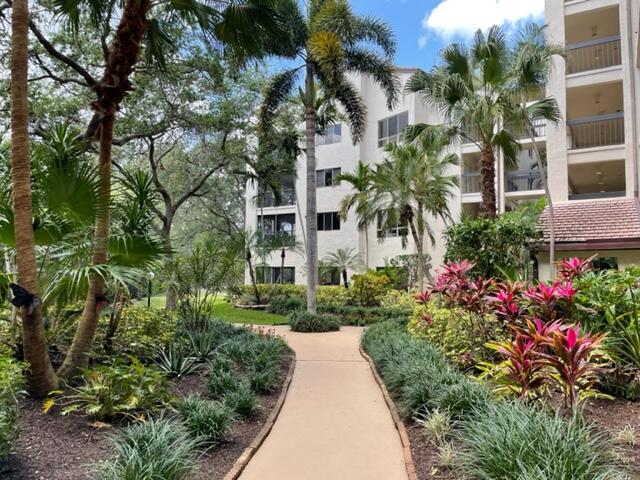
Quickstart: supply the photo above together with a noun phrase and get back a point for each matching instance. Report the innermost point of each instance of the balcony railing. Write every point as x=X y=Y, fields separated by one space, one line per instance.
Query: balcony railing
x=523 y=181
x=471 y=182
x=596 y=195
x=268 y=199
x=597 y=131
x=593 y=54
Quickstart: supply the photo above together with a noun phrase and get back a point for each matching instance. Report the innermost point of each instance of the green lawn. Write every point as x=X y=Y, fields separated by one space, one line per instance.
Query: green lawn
x=224 y=310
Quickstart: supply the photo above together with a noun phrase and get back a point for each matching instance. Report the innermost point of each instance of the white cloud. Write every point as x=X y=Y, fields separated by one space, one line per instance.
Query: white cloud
x=463 y=17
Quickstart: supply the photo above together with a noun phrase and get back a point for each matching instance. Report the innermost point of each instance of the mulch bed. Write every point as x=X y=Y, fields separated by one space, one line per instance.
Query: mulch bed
x=55 y=447
x=609 y=416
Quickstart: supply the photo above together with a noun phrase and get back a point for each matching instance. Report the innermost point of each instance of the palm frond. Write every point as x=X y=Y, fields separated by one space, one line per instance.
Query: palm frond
x=368 y=62
x=354 y=106
x=277 y=92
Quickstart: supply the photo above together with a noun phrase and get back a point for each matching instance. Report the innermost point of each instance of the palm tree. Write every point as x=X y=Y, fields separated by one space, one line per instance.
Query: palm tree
x=362 y=200
x=344 y=259
x=480 y=90
x=330 y=41
x=283 y=242
x=414 y=182
x=145 y=25
x=42 y=378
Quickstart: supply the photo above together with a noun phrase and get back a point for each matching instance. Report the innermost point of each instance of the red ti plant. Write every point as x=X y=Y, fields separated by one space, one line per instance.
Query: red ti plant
x=572 y=268
x=570 y=356
x=424 y=297
x=550 y=302
x=507 y=304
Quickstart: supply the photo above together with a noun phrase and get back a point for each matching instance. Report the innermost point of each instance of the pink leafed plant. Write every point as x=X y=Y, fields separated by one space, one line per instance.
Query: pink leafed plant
x=574 y=267
x=424 y=297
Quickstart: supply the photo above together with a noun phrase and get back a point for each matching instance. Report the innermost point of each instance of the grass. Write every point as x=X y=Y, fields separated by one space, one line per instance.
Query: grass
x=224 y=310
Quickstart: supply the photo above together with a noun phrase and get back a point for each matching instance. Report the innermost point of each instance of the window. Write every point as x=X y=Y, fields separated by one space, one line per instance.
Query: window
x=272 y=275
x=328 y=221
x=266 y=197
x=329 y=276
x=326 y=178
x=332 y=135
x=271 y=225
x=605 y=263
x=393 y=231
x=390 y=129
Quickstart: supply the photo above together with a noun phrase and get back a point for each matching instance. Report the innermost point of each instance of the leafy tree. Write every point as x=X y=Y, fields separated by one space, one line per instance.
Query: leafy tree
x=330 y=41
x=344 y=259
x=413 y=183
x=484 y=92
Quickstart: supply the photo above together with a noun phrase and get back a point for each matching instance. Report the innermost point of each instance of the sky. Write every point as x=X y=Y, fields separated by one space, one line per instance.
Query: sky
x=423 y=27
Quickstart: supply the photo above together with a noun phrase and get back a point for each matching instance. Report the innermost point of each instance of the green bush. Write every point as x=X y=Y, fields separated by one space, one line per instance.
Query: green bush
x=120 y=390
x=461 y=335
x=175 y=362
x=302 y=321
x=221 y=382
x=142 y=331
x=399 y=299
x=263 y=380
x=327 y=295
x=359 y=316
x=11 y=384
x=269 y=291
x=242 y=400
x=512 y=440
x=285 y=305
x=206 y=420
x=155 y=449
x=367 y=290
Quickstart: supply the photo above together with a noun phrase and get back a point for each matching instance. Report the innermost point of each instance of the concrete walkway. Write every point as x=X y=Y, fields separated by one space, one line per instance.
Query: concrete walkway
x=334 y=424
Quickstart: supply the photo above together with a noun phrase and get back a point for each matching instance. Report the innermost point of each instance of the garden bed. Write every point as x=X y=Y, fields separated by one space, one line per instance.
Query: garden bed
x=56 y=447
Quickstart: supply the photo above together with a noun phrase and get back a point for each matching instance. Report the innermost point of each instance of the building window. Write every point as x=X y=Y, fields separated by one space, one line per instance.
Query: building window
x=266 y=197
x=272 y=275
x=333 y=134
x=327 y=178
x=397 y=230
x=272 y=225
x=390 y=129
x=328 y=221
x=605 y=263
x=329 y=276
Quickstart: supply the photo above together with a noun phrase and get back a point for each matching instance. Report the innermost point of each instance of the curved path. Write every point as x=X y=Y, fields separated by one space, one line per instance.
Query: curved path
x=334 y=424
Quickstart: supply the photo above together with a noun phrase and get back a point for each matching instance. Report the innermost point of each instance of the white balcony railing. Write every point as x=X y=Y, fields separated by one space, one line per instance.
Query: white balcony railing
x=596 y=131
x=268 y=199
x=593 y=54
x=523 y=181
x=471 y=182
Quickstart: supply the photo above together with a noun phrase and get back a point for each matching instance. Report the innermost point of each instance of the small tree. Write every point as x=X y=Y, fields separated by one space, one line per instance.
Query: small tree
x=344 y=259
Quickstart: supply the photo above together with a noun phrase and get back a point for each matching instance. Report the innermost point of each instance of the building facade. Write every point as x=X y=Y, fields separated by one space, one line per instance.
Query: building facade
x=592 y=157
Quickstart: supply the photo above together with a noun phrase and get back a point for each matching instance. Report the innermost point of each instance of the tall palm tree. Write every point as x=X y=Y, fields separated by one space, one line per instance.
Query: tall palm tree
x=329 y=41
x=344 y=259
x=480 y=89
x=416 y=182
x=362 y=200
x=145 y=26
x=42 y=379
x=282 y=243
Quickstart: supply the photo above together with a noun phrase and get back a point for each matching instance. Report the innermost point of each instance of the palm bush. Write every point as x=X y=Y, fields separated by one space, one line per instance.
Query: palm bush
x=156 y=449
x=175 y=362
x=206 y=420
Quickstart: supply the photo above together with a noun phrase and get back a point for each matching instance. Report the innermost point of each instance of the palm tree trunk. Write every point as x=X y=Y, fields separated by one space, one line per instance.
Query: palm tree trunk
x=547 y=192
x=366 y=246
x=42 y=379
x=312 y=219
x=488 y=182
x=282 y=257
x=113 y=87
x=345 y=278
x=253 y=277
x=422 y=262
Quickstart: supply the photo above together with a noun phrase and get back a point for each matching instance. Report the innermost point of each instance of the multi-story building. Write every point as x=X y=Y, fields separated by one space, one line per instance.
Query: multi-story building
x=592 y=156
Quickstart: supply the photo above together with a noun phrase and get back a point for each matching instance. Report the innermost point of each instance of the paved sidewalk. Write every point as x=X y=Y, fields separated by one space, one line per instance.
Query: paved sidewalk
x=334 y=424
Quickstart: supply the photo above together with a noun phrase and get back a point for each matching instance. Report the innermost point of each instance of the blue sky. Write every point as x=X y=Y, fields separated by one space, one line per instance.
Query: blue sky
x=423 y=27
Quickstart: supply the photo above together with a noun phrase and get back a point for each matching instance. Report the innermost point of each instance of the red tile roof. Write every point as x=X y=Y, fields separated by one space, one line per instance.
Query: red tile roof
x=610 y=220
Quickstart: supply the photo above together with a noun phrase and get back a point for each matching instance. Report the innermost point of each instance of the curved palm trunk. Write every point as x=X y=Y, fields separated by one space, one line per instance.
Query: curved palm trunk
x=253 y=277
x=488 y=182
x=312 y=216
x=42 y=378
x=422 y=269
x=113 y=87
x=345 y=278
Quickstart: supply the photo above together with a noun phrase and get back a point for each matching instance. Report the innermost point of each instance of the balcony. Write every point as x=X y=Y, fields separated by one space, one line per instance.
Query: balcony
x=596 y=131
x=523 y=181
x=268 y=199
x=593 y=55
x=470 y=183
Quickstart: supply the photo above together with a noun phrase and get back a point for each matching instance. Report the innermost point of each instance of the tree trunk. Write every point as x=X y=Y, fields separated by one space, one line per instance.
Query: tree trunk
x=345 y=278
x=170 y=293
x=488 y=182
x=312 y=219
x=253 y=277
x=422 y=262
x=366 y=247
x=282 y=257
x=42 y=379
x=547 y=192
x=112 y=89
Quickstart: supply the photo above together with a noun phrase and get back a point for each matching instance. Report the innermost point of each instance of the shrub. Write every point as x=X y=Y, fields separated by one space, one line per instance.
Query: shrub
x=203 y=344
x=11 y=384
x=285 y=305
x=206 y=420
x=222 y=382
x=119 y=390
x=308 y=322
x=359 y=316
x=399 y=299
x=512 y=440
x=242 y=400
x=333 y=295
x=174 y=362
x=461 y=335
x=155 y=449
x=142 y=331
x=263 y=380
x=367 y=290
